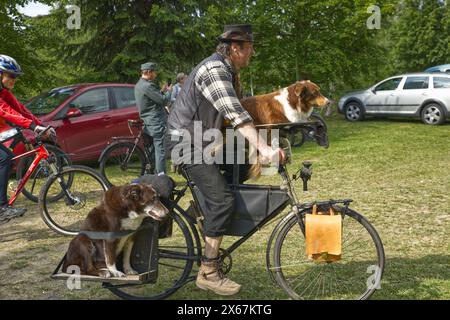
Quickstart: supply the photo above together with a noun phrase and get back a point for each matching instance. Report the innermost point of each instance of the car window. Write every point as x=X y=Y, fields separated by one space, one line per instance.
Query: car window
x=124 y=96
x=93 y=101
x=390 y=84
x=416 y=83
x=49 y=101
x=441 y=83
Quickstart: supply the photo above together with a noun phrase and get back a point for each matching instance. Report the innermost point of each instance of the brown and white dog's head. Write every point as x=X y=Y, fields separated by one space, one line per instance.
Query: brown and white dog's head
x=299 y=99
x=142 y=199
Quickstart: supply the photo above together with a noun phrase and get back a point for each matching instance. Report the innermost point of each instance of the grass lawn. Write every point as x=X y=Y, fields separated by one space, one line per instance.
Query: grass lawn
x=396 y=171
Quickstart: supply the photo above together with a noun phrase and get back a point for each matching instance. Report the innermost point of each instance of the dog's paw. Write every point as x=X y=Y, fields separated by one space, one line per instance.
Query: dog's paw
x=130 y=271
x=118 y=274
x=104 y=273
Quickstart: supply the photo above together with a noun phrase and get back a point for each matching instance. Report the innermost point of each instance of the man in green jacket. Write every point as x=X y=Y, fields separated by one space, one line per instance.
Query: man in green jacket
x=151 y=103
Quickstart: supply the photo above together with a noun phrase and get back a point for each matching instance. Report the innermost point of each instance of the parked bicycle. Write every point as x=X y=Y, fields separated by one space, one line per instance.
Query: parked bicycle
x=165 y=256
x=127 y=158
x=39 y=176
x=68 y=193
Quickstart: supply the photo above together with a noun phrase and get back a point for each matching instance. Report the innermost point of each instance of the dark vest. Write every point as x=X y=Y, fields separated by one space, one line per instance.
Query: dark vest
x=192 y=106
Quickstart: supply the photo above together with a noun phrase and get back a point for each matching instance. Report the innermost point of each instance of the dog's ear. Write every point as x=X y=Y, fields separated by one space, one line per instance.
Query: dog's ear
x=300 y=88
x=132 y=192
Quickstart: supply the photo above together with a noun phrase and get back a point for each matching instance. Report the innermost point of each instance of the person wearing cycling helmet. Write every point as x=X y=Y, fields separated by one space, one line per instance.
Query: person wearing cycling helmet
x=12 y=113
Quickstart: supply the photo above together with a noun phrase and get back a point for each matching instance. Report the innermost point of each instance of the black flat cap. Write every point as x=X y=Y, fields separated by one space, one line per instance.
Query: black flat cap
x=237 y=33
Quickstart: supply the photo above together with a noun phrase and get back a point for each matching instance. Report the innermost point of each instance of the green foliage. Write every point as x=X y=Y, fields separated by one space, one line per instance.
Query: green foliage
x=326 y=41
x=117 y=36
x=15 y=41
x=420 y=36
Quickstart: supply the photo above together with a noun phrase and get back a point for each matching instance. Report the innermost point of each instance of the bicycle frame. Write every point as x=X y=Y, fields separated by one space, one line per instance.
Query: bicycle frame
x=139 y=141
x=41 y=154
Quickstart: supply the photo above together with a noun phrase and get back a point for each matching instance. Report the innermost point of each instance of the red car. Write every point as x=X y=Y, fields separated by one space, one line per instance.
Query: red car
x=86 y=116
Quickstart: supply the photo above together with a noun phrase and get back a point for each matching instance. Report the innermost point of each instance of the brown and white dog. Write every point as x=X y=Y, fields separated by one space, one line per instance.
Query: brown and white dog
x=122 y=208
x=288 y=105
x=292 y=104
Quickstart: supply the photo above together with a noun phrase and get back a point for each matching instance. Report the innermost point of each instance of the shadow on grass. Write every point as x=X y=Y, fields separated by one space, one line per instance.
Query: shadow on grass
x=424 y=278
x=30 y=235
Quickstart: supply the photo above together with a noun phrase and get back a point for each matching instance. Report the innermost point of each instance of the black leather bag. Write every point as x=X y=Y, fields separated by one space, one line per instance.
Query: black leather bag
x=144 y=255
x=253 y=203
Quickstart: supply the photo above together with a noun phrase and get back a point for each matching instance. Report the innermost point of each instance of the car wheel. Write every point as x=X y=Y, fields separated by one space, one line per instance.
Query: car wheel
x=433 y=114
x=354 y=112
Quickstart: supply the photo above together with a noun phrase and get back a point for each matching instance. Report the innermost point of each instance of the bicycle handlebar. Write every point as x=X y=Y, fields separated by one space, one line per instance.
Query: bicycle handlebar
x=42 y=133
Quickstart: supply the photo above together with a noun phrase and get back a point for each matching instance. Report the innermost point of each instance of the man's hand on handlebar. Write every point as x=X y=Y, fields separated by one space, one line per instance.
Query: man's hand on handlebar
x=269 y=155
x=45 y=132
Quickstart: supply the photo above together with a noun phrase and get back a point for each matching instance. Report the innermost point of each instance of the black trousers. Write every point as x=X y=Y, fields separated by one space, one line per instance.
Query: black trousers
x=219 y=200
x=5 y=168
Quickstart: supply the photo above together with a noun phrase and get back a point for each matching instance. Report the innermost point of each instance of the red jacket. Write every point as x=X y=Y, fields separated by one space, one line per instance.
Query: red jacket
x=14 y=112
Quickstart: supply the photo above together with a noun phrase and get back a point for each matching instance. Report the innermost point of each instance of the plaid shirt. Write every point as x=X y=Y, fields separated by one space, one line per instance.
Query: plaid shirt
x=215 y=81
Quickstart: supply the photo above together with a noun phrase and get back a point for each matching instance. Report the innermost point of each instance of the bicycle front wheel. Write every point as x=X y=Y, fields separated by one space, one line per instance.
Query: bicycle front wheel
x=42 y=171
x=122 y=162
x=66 y=198
x=356 y=276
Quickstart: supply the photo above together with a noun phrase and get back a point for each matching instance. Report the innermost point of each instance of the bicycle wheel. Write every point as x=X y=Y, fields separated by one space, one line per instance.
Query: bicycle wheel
x=175 y=260
x=297 y=138
x=356 y=276
x=300 y=136
x=122 y=162
x=42 y=172
x=77 y=190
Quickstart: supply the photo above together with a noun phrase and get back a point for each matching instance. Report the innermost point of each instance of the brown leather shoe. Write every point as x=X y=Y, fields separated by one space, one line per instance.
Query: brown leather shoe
x=211 y=277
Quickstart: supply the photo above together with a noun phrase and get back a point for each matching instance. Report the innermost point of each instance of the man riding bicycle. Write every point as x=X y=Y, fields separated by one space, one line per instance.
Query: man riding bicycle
x=210 y=94
x=12 y=113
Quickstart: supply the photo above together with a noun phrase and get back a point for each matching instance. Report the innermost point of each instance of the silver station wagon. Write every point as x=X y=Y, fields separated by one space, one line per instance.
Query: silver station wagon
x=420 y=95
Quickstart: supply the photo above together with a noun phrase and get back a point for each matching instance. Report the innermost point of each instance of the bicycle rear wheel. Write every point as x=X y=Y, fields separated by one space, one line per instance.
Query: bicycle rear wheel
x=42 y=172
x=175 y=261
x=123 y=162
x=356 y=276
x=66 y=198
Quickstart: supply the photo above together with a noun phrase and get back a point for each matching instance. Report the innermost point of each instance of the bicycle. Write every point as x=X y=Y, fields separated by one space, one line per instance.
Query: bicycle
x=31 y=188
x=62 y=205
x=165 y=259
x=126 y=158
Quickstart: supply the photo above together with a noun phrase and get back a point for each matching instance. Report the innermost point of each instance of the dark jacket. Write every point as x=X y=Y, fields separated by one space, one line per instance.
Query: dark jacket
x=191 y=106
x=151 y=105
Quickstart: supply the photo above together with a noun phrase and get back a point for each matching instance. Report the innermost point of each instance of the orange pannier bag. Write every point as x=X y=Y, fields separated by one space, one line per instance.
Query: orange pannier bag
x=323 y=235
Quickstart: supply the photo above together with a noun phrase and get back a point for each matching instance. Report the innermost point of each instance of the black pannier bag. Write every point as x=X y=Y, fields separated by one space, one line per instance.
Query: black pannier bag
x=144 y=255
x=253 y=203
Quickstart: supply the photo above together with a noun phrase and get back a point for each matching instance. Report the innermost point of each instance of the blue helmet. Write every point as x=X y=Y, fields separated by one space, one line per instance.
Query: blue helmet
x=9 y=65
